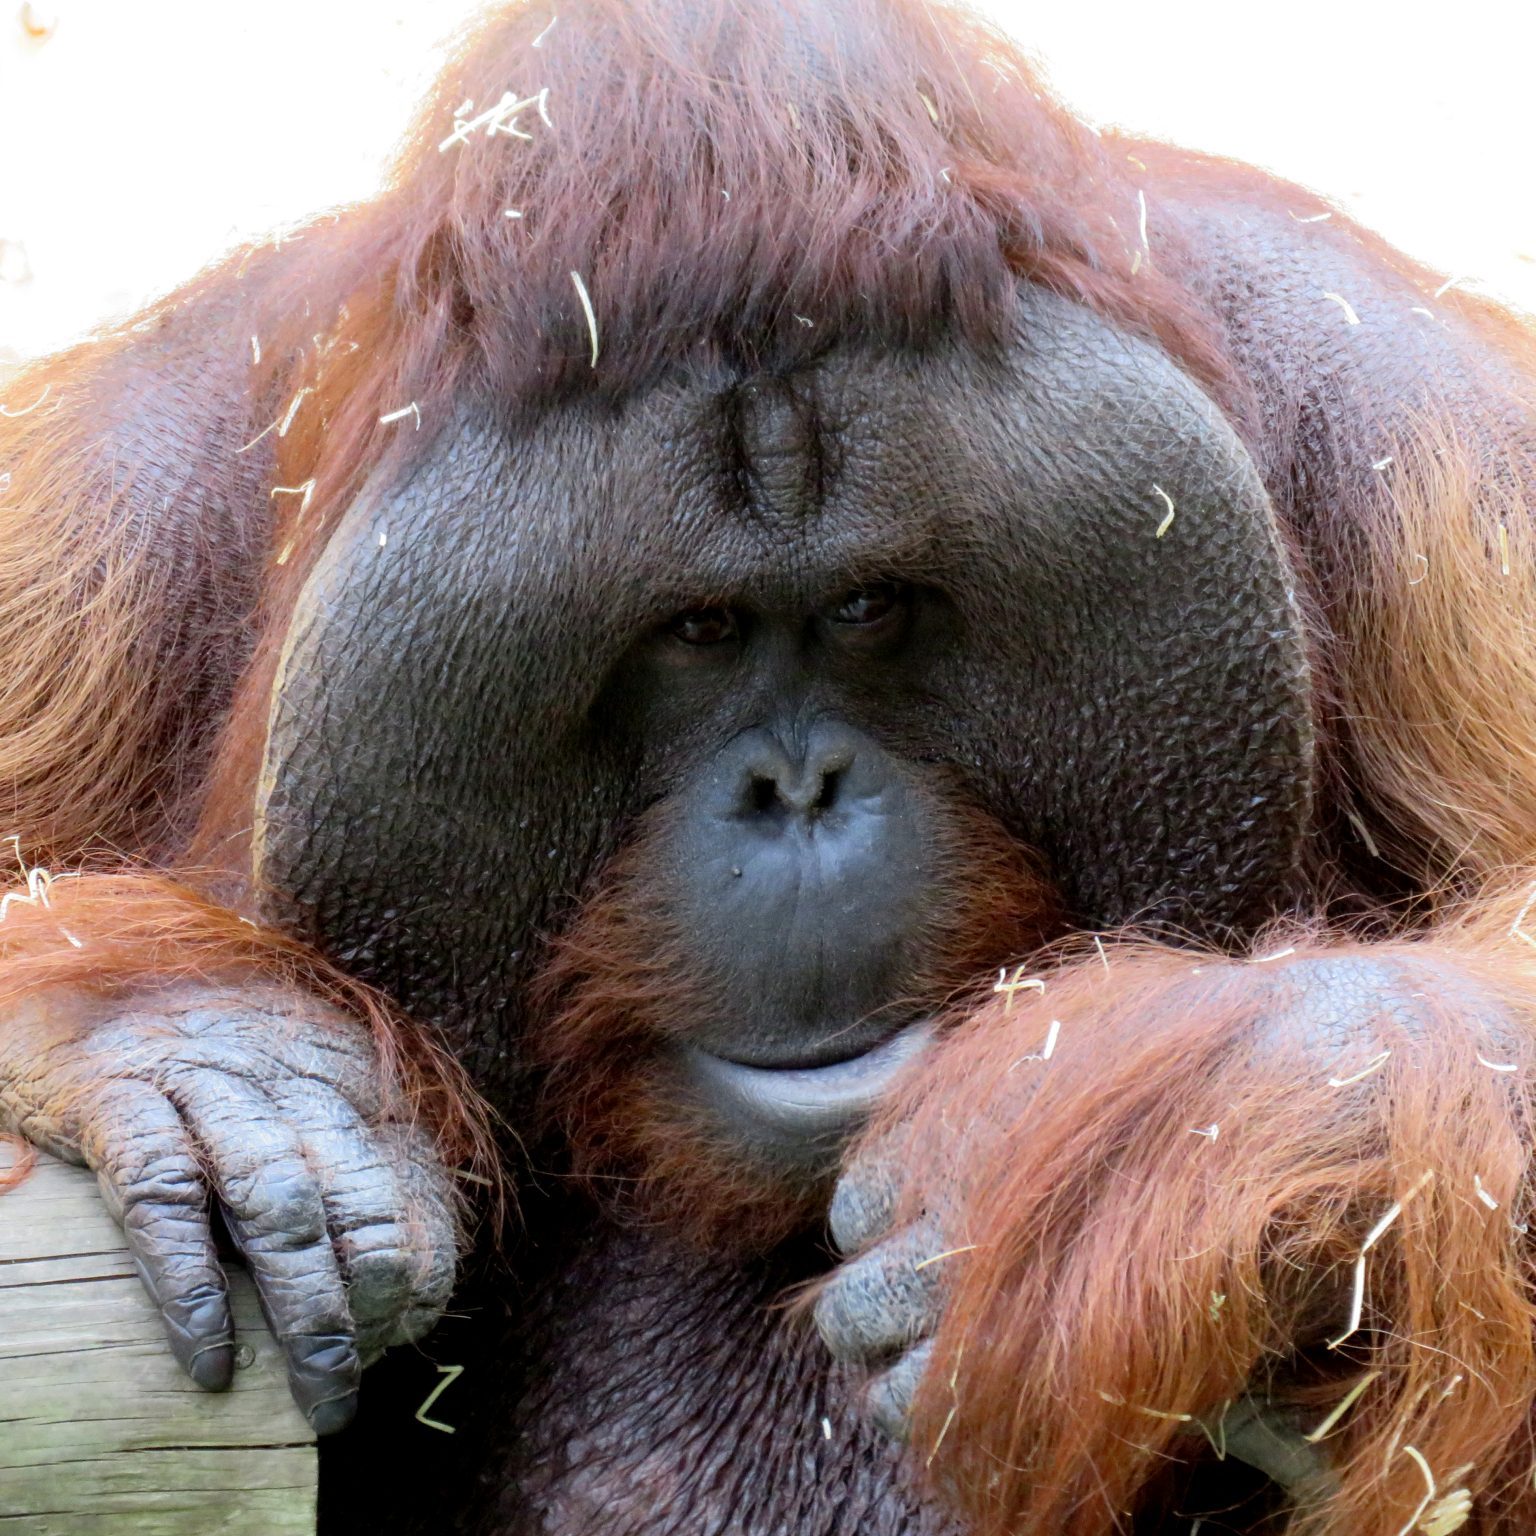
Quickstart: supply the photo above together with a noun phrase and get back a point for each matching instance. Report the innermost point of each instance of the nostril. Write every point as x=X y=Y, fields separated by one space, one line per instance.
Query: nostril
x=775 y=790
x=768 y=795
x=826 y=796
x=764 y=794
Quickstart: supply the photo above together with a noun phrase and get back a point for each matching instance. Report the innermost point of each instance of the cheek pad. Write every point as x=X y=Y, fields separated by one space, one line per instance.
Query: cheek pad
x=1156 y=718
x=420 y=806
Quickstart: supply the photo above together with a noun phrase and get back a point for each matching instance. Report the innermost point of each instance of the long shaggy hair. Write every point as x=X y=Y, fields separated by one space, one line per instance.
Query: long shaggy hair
x=1198 y=1198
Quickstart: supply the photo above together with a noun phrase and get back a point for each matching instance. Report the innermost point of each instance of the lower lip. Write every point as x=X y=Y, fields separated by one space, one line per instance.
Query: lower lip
x=797 y=1108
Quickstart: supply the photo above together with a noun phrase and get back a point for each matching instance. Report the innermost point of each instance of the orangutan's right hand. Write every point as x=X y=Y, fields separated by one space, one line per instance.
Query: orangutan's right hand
x=274 y=1109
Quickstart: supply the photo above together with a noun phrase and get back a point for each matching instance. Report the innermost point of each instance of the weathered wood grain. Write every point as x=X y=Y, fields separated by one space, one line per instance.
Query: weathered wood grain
x=99 y=1431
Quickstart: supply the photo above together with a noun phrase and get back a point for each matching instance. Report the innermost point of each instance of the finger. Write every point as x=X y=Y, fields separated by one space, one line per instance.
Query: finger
x=152 y=1180
x=364 y=1206
x=276 y=1216
x=864 y=1202
x=431 y=1209
x=391 y=1231
x=884 y=1302
x=888 y=1402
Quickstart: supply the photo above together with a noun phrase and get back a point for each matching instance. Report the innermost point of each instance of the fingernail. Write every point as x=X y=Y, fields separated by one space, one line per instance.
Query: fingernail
x=213 y=1367
x=333 y=1414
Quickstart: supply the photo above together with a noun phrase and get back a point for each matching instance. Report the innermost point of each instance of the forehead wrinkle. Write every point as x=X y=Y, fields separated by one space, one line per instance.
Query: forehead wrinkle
x=647 y=496
x=777 y=456
x=649 y=500
x=823 y=504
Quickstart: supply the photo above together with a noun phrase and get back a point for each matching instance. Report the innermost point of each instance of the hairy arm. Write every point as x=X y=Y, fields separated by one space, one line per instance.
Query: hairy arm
x=212 y=1072
x=1275 y=1178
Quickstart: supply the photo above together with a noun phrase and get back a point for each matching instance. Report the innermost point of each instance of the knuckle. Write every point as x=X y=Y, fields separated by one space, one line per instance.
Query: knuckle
x=279 y=1206
x=171 y=1180
x=196 y=1310
x=379 y=1279
x=883 y=1303
x=862 y=1206
x=836 y=1318
x=322 y=1353
x=171 y=1231
x=151 y=1167
x=302 y=1299
x=255 y=1036
x=398 y=1270
x=889 y=1398
x=853 y=1314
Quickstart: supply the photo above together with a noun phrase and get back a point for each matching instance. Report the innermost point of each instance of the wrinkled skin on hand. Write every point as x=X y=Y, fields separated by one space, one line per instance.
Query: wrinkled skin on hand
x=272 y=1111
x=899 y=1218
x=885 y=1306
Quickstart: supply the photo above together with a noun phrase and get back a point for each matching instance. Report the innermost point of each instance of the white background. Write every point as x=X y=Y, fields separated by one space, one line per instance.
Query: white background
x=138 y=140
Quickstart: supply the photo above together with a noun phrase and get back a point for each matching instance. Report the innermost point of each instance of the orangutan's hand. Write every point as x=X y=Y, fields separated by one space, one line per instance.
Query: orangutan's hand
x=270 y=1110
x=1166 y=1218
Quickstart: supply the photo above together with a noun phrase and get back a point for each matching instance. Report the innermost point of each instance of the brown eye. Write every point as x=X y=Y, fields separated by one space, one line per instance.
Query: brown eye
x=868 y=605
x=704 y=626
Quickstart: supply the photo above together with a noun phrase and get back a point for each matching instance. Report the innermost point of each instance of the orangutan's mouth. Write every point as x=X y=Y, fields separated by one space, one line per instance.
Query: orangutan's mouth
x=804 y=1112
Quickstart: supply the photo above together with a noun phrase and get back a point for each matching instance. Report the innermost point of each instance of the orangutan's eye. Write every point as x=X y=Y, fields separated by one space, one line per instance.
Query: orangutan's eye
x=871 y=604
x=704 y=626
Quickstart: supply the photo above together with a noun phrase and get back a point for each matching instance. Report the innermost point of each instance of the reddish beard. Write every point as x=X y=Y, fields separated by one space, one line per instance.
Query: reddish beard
x=622 y=988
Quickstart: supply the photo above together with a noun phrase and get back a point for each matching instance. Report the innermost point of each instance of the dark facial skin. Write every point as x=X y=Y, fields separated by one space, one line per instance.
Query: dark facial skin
x=801 y=871
x=782 y=610
x=786 y=849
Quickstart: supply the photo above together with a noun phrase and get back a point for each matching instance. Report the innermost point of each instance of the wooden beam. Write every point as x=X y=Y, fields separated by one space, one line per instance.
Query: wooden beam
x=100 y=1433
